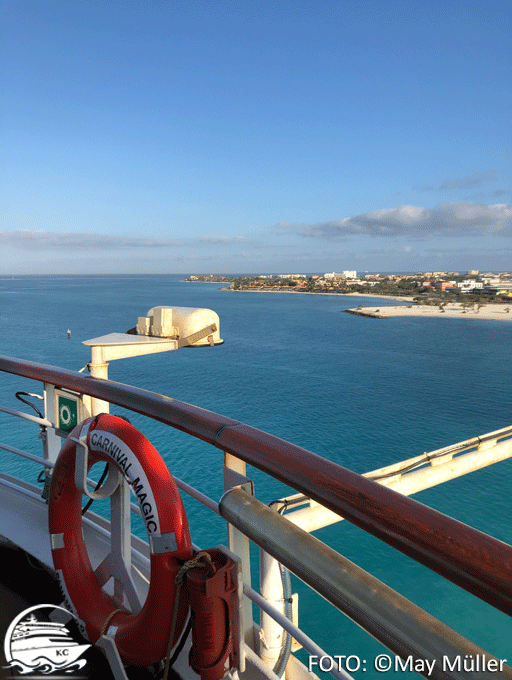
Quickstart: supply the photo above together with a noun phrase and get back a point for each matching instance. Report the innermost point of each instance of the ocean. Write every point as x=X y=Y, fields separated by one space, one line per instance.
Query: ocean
x=361 y=392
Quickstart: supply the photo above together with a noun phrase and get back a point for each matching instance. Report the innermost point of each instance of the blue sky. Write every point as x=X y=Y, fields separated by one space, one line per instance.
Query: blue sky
x=209 y=136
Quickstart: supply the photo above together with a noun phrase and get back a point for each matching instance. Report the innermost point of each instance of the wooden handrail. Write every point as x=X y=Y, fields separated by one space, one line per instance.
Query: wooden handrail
x=473 y=560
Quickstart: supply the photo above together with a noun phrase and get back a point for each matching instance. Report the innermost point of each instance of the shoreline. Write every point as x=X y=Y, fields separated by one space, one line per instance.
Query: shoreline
x=453 y=310
x=305 y=292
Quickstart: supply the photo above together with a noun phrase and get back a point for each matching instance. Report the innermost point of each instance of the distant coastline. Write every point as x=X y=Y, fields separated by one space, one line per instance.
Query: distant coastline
x=429 y=294
x=489 y=312
x=305 y=292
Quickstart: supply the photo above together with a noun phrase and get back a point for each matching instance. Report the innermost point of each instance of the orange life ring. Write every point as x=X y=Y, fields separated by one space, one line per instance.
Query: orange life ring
x=141 y=638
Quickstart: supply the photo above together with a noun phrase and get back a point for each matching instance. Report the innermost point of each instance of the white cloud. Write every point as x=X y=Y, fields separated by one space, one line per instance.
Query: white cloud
x=470 y=180
x=73 y=241
x=391 y=251
x=467 y=253
x=454 y=218
x=222 y=239
x=477 y=177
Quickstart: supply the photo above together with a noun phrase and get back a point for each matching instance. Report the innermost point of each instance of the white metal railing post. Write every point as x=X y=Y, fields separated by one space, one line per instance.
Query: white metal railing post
x=53 y=443
x=98 y=368
x=238 y=543
x=271 y=589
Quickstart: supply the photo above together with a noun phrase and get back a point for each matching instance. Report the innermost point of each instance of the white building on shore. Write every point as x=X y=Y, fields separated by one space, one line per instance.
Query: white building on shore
x=344 y=275
x=469 y=284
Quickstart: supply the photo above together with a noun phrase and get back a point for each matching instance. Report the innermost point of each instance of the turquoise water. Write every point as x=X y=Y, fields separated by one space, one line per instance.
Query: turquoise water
x=361 y=392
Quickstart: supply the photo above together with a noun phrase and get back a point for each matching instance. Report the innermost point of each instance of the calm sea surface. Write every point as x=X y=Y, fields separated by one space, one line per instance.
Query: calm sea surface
x=361 y=392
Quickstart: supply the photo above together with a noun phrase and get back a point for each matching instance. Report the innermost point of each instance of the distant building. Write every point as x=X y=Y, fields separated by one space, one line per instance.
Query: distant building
x=501 y=289
x=472 y=272
x=343 y=275
x=469 y=284
x=442 y=285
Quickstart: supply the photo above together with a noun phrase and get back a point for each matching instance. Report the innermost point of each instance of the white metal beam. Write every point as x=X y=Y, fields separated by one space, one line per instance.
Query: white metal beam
x=315 y=516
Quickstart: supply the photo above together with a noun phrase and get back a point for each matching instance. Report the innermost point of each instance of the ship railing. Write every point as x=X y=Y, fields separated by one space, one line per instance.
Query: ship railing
x=475 y=561
x=300 y=638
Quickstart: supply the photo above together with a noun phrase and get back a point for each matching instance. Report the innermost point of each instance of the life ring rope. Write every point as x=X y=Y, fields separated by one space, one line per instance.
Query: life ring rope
x=108 y=620
x=142 y=637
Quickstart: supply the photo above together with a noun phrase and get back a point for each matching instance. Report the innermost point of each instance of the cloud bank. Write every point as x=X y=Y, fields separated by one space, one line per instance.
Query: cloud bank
x=452 y=218
x=222 y=239
x=471 y=180
x=73 y=241
x=476 y=178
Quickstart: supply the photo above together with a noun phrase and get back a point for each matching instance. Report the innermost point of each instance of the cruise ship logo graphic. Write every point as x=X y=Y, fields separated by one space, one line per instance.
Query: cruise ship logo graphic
x=36 y=642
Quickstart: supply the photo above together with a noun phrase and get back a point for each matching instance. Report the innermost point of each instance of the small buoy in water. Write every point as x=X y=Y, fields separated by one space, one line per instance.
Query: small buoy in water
x=69 y=333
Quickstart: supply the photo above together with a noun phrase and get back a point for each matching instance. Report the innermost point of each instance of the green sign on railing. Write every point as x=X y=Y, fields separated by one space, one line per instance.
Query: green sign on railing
x=67 y=410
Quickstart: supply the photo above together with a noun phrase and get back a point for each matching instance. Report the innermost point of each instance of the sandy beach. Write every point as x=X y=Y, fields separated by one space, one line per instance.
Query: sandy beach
x=453 y=310
x=403 y=298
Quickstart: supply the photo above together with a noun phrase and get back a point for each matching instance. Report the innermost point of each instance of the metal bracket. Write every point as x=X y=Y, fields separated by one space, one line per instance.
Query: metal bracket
x=108 y=647
x=233 y=478
x=113 y=566
x=81 y=465
x=163 y=544
x=45 y=494
x=199 y=335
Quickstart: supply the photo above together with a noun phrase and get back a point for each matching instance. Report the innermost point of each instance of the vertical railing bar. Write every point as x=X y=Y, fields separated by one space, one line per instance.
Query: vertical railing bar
x=239 y=544
x=308 y=644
